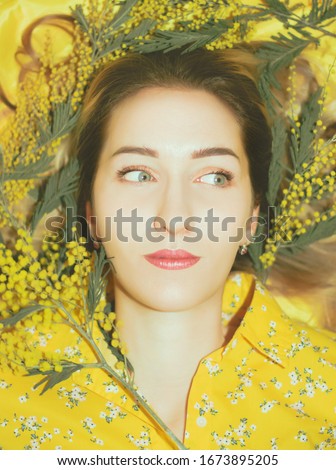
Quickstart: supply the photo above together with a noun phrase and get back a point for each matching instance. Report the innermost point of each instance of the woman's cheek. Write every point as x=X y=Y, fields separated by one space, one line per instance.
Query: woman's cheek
x=227 y=221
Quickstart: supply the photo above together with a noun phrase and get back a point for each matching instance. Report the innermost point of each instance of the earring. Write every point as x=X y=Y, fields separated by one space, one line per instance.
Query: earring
x=243 y=250
x=96 y=244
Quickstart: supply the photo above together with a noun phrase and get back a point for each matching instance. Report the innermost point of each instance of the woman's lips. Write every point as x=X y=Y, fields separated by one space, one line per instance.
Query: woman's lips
x=172 y=259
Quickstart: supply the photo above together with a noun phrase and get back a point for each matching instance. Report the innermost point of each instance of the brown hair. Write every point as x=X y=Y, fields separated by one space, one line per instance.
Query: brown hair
x=218 y=72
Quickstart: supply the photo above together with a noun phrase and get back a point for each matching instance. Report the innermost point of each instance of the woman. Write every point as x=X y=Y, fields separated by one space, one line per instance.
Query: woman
x=199 y=166
x=167 y=144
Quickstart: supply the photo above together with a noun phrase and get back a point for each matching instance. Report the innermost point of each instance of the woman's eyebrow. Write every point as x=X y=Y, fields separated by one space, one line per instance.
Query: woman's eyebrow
x=201 y=153
x=213 y=152
x=138 y=150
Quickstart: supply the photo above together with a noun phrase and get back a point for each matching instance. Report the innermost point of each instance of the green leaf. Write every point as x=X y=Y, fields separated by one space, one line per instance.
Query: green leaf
x=123 y=14
x=34 y=193
x=266 y=92
x=278 y=153
x=107 y=39
x=276 y=7
x=23 y=313
x=69 y=200
x=52 y=377
x=317 y=232
x=275 y=56
x=44 y=130
x=170 y=40
x=59 y=185
x=142 y=29
x=96 y=282
x=78 y=14
x=281 y=52
x=321 y=12
x=115 y=42
x=165 y=40
x=34 y=170
x=63 y=119
x=302 y=149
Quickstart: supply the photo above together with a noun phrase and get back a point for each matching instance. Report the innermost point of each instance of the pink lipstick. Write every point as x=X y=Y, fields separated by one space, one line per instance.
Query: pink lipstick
x=172 y=259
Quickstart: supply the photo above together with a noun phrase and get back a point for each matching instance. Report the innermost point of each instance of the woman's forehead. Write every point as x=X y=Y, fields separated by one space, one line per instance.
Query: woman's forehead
x=181 y=118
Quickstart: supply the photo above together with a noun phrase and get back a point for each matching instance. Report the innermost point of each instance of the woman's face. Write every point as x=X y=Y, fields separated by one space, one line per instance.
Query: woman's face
x=171 y=197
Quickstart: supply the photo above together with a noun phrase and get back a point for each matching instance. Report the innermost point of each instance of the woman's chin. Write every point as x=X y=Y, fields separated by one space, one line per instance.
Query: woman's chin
x=171 y=298
x=169 y=291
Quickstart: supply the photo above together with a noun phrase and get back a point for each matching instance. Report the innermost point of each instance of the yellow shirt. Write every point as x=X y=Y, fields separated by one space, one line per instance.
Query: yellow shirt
x=272 y=387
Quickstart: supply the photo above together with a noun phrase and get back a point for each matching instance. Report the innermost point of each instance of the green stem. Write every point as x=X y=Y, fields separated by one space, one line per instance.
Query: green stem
x=104 y=366
x=294 y=17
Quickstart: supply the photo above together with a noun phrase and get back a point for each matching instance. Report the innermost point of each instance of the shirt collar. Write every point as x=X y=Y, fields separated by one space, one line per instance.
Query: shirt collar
x=262 y=323
x=247 y=304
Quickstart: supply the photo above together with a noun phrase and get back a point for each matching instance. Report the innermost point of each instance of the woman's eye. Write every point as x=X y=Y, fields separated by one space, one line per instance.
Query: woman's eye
x=137 y=176
x=217 y=179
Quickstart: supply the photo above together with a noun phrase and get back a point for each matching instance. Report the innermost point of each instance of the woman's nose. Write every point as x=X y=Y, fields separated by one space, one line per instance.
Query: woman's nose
x=173 y=210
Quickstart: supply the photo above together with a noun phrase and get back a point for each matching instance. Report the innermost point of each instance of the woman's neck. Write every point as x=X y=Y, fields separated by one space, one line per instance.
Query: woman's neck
x=168 y=344
x=165 y=349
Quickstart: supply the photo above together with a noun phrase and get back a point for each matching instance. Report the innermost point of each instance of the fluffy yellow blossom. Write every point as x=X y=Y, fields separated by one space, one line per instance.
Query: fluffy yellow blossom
x=120 y=365
x=300 y=206
x=54 y=298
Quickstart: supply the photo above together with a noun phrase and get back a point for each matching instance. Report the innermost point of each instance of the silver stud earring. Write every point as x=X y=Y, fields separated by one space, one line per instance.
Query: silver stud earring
x=243 y=250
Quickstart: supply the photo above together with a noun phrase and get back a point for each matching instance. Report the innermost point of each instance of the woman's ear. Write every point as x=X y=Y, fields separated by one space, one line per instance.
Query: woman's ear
x=251 y=226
